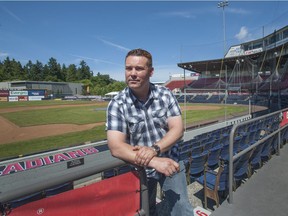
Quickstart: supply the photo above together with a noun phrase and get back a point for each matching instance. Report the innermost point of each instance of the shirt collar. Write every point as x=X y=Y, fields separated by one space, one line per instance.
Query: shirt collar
x=131 y=98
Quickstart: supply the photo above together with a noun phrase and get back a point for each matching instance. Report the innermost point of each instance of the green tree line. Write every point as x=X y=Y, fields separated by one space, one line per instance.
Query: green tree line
x=12 y=70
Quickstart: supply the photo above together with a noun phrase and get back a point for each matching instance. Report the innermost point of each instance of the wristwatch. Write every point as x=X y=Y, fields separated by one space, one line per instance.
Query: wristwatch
x=156 y=148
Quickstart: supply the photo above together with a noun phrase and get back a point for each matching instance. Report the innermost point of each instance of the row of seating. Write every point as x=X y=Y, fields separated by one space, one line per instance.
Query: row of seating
x=39 y=195
x=210 y=152
x=215 y=182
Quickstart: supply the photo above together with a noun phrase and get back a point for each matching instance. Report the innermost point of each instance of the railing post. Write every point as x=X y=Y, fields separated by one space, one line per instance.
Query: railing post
x=144 y=193
x=231 y=143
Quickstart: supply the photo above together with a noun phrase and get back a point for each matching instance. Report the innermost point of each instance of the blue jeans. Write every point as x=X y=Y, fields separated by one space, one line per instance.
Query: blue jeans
x=176 y=201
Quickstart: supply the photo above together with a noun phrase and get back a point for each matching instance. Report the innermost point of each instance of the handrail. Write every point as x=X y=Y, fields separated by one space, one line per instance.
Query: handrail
x=232 y=157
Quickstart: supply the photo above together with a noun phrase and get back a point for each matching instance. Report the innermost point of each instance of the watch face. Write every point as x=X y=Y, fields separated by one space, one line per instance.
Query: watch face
x=157 y=149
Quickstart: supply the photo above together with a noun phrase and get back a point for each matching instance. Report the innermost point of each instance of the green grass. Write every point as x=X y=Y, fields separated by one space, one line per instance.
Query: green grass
x=91 y=113
x=50 y=143
x=4 y=104
x=195 y=116
x=67 y=115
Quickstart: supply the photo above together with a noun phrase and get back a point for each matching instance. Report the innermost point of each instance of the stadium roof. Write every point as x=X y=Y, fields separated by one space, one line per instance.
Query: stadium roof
x=213 y=65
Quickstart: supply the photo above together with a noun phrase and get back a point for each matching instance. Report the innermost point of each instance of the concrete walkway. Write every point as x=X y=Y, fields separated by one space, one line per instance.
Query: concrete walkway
x=265 y=193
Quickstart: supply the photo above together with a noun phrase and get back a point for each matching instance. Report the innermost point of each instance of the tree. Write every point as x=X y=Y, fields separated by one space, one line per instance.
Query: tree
x=55 y=72
x=87 y=84
x=71 y=73
x=1 y=72
x=34 y=72
x=83 y=71
x=8 y=72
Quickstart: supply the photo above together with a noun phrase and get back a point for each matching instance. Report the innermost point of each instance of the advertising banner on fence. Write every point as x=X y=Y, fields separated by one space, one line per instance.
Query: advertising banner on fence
x=4 y=93
x=13 y=99
x=284 y=119
x=22 y=98
x=35 y=98
x=36 y=92
x=18 y=93
x=3 y=98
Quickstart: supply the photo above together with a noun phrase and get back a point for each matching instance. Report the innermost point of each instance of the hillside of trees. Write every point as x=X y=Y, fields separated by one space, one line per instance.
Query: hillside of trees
x=12 y=70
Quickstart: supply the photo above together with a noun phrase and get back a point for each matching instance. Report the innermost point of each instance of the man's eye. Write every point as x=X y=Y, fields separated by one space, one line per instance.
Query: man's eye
x=139 y=68
x=129 y=68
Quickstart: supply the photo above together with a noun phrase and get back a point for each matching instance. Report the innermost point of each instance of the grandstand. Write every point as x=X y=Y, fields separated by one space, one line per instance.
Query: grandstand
x=257 y=68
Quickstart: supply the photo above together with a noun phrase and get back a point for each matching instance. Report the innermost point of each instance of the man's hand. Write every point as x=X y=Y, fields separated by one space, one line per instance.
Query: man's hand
x=143 y=155
x=166 y=166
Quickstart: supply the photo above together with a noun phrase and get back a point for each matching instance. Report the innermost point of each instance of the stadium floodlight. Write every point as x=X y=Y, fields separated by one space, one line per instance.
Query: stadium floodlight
x=222 y=5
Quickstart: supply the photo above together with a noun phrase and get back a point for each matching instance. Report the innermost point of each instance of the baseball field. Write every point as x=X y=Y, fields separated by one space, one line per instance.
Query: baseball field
x=37 y=126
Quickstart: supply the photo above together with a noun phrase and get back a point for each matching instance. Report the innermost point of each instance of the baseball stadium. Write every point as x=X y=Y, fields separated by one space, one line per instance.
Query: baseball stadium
x=54 y=158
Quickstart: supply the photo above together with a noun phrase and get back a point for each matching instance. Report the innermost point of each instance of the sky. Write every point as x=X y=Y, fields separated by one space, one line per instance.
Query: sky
x=102 y=32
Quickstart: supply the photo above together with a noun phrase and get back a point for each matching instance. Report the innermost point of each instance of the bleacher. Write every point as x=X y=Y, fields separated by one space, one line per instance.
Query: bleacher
x=241 y=90
x=178 y=84
x=203 y=150
x=204 y=83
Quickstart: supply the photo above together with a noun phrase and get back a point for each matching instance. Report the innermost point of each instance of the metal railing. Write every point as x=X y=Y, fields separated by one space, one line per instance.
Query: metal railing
x=233 y=157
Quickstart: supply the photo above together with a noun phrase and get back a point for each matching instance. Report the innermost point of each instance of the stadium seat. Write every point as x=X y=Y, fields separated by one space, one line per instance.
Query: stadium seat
x=59 y=189
x=215 y=181
x=26 y=199
x=255 y=160
x=266 y=153
x=224 y=155
x=242 y=168
x=214 y=157
x=196 y=166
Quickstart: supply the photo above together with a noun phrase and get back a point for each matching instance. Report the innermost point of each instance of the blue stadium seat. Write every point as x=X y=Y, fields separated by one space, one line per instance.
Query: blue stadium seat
x=196 y=166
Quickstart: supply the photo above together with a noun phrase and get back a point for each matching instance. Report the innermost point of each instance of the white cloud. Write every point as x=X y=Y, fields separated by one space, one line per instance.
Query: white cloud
x=13 y=15
x=3 y=54
x=114 y=45
x=185 y=14
x=79 y=58
x=243 y=34
x=237 y=11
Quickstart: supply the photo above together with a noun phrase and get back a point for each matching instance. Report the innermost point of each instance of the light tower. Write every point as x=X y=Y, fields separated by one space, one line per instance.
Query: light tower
x=222 y=5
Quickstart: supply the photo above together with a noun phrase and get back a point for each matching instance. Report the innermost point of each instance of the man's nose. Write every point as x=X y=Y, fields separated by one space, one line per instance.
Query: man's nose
x=133 y=72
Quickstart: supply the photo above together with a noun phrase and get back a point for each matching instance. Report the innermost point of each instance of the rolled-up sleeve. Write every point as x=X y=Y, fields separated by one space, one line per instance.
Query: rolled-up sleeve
x=115 y=117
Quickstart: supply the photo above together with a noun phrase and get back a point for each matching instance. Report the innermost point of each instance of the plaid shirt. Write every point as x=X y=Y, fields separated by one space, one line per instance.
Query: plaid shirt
x=144 y=124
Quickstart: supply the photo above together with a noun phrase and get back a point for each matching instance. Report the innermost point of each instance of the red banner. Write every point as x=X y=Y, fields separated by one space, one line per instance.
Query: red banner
x=284 y=119
x=114 y=196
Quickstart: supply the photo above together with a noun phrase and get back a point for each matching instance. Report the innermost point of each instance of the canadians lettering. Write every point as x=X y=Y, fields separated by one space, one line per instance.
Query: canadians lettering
x=44 y=161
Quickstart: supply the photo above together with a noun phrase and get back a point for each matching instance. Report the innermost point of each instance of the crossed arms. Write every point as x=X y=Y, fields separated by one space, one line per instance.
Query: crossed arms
x=145 y=156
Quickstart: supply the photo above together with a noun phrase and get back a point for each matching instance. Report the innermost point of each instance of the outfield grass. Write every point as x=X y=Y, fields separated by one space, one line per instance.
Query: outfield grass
x=50 y=143
x=41 y=103
x=197 y=116
x=92 y=113
x=68 y=115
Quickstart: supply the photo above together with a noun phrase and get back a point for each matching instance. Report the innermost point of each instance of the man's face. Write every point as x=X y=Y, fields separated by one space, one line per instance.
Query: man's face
x=137 y=73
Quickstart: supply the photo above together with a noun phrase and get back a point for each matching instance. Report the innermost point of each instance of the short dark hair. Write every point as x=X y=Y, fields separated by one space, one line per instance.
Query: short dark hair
x=141 y=52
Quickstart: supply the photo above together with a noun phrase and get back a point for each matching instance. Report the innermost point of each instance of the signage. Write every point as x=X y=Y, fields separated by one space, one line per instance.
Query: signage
x=3 y=98
x=199 y=211
x=48 y=160
x=4 y=93
x=35 y=98
x=13 y=99
x=284 y=119
x=18 y=93
x=36 y=92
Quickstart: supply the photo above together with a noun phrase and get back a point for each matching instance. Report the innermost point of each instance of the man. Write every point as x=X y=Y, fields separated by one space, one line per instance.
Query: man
x=143 y=126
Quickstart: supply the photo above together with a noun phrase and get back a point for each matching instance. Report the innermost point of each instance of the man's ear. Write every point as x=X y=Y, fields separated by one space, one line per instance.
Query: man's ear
x=151 y=71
